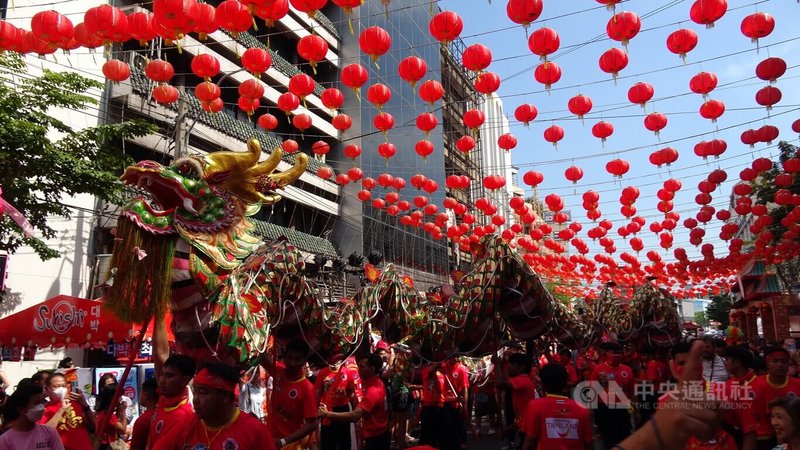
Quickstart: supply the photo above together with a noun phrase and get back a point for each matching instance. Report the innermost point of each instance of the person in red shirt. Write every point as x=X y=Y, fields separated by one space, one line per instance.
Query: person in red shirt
x=555 y=422
x=436 y=426
x=767 y=388
x=371 y=410
x=148 y=398
x=173 y=374
x=217 y=424
x=565 y=360
x=739 y=422
x=456 y=396
x=68 y=413
x=520 y=386
x=293 y=411
x=173 y=406
x=613 y=421
x=116 y=424
x=338 y=389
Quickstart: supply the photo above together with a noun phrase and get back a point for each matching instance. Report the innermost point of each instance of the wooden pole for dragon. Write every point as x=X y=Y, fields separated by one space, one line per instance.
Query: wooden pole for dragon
x=100 y=429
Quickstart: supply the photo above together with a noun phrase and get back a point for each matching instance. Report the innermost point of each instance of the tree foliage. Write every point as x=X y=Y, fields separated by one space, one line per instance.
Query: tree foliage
x=38 y=171
x=718 y=310
x=700 y=318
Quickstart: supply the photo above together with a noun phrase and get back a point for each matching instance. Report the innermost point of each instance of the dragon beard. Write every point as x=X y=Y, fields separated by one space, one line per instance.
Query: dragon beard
x=140 y=277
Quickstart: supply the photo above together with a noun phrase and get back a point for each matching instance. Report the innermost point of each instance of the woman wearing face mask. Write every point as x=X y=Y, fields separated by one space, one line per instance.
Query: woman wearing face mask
x=24 y=408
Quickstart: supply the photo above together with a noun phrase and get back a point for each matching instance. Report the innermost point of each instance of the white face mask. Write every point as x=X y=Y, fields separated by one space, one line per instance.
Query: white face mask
x=60 y=392
x=35 y=413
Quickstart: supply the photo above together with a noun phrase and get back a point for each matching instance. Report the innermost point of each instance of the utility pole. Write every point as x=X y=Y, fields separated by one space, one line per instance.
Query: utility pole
x=180 y=138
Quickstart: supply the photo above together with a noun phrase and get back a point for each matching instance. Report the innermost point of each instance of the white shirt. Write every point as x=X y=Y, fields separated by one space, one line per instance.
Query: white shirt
x=714 y=369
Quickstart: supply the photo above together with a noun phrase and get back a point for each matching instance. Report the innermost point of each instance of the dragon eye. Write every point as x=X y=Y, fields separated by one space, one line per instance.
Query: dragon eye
x=185 y=169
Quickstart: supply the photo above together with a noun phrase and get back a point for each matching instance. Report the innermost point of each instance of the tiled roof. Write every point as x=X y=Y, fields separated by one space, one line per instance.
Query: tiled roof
x=327 y=24
x=222 y=121
x=770 y=285
x=755 y=269
x=278 y=62
x=303 y=241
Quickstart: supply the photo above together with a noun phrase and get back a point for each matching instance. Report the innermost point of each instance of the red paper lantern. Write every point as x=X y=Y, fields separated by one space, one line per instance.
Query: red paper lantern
x=205 y=66
x=272 y=11
x=233 y=16
x=533 y=178
x=354 y=76
x=309 y=7
x=165 y=94
x=175 y=18
x=301 y=85
x=248 y=105
x=771 y=69
x=375 y=42
x=703 y=83
x=324 y=172
x=618 y=167
x=623 y=26
x=412 y=69
x=342 y=122
x=116 y=71
x=268 y=121
x=544 y=42
x=159 y=70
x=348 y=5
x=107 y=23
x=796 y=126
x=706 y=12
x=553 y=134
x=141 y=27
x=387 y=150
x=320 y=148
x=524 y=12
x=641 y=93
x=206 y=21
x=302 y=122
x=682 y=42
x=332 y=98
x=251 y=88
x=476 y=57
x=655 y=122
x=214 y=106
x=487 y=82
x=424 y=148
x=507 y=141
x=473 y=119
x=525 y=113
x=427 y=122
x=749 y=137
x=290 y=146
x=613 y=61
x=602 y=130
x=445 y=26
x=767 y=133
x=8 y=35
x=313 y=49
x=364 y=195
x=383 y=121
x=758 y=25
x=465 y=143
x=431 y=91
x=712 y=109
x=768 y=96
x=52 y=27
x=573 y=173
x=352 y=151
x=256 y=61
x=288 y=102
x=90 y=41
x=206 y=91
x=580 y=105
x=547 y=73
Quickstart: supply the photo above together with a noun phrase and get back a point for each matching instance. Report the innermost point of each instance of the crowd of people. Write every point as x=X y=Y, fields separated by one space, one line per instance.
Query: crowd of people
x=701 y=395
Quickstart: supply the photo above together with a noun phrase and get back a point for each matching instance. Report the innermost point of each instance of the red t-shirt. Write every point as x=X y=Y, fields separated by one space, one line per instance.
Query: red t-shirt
x=765 y=392
x=736 y=390
x=245 y=433
x=522 y=392
x=170 y=412
x=376 y=421
x=72 y=426
x=622 y=375
x=457 y=377
x=656 y=371
x=337 y=387
x=141 y=428
x=557 y=423
x=432 y=387
x=293 y=401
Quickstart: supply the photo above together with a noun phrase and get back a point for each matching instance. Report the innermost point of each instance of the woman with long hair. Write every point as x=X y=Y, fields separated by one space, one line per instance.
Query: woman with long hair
x=23 y=409
x=117 y=422
x=785 y=419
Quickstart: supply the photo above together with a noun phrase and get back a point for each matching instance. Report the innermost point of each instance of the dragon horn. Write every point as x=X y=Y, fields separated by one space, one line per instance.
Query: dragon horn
x=289 y=176
x=234 y=163
x=268 y=165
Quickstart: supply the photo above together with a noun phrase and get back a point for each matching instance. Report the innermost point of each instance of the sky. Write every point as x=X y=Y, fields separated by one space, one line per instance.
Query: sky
x=581 y=25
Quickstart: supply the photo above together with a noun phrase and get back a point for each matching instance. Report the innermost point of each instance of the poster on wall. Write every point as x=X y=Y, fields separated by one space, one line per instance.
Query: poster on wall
x=85 y=382
x=130 y=390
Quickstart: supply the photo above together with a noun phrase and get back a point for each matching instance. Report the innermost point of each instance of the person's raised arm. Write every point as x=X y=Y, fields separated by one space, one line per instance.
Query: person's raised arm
x=160 y=343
